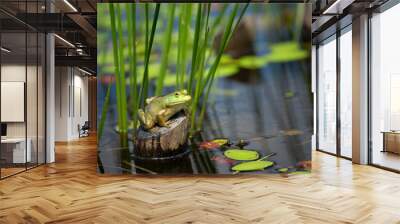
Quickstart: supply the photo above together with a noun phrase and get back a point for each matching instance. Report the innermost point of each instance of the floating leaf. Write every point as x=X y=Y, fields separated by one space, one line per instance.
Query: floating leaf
x=221 y=141
x=285 y=46
x=306 y=164
x=222 y=160
x=252 y=166
x=283 y=170
x=238 y=154
x=289 y=94
x=226 y=59
x=227 y=70
x=252 y=62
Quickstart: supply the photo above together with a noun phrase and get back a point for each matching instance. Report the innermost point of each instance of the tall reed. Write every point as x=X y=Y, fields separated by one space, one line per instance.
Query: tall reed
x=201 y=66
x=217 y=21
x=120 y=89
x=165 y=50
x=227 y=35
x=122 y=79
x=184 y=26
x=146 y=18
x=101 y=57
x=195 y=48
x=150 y=39
x=131 y=23
x=104 y=110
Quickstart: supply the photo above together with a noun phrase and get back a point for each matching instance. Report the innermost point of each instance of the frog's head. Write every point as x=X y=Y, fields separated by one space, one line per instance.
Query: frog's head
x=177 y=98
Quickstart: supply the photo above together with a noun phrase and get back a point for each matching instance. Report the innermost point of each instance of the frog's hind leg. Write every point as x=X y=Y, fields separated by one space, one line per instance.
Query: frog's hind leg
x=142 y=117
x=146 y=121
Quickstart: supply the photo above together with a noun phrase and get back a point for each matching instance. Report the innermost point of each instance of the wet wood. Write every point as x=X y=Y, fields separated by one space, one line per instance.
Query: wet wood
x=163 y=141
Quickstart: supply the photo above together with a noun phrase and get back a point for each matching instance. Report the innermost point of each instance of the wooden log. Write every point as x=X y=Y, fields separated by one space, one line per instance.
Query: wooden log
x=160 y=142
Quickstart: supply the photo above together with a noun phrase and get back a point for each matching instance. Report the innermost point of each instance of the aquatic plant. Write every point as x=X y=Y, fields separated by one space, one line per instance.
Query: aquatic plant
x=207 y=83
x=209 y=145
x=241 y=154
x=137 y=95
x=131 y=20
x=204 y=83
x=221 y=141
x=165 y=50
x=143 y=65
x=149 y=44
x=104 y=113
x=199 y=56
x=184 y=27
x=119 y=68
x=254 y=165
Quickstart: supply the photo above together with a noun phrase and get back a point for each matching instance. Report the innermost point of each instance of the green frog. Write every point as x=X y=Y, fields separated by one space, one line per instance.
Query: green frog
x=161 y=108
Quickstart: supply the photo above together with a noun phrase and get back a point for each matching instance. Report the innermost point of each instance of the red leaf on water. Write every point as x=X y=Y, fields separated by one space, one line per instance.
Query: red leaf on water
x=222 y=160
x=304 y=164
x=209 y=145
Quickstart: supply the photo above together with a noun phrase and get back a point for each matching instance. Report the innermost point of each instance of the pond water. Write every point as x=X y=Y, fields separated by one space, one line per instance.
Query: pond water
x=272 y=111
x=270 y=107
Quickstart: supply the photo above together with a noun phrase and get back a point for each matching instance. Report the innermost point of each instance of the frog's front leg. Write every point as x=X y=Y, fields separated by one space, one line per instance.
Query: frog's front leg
x=162 y=118
x=187 y=110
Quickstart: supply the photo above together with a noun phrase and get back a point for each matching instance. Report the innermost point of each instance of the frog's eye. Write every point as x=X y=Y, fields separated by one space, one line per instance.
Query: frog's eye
x=176 y=94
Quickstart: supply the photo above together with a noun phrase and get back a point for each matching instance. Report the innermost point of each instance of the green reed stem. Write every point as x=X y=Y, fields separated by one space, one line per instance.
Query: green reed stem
x=195 y=48
x=104 y=110
x=165 y=51
x=180 y=47
x=184 y=24
x=218 y=20
x=202 y=55
x=226 y=37
x=145 y=82
x=116 y=63
x=300 y=11
x=131 y=17
x=238 y=21
x=146 y=15
x=122 y=79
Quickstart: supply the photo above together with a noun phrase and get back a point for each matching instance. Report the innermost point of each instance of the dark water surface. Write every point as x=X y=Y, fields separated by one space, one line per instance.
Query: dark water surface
x=272 y=111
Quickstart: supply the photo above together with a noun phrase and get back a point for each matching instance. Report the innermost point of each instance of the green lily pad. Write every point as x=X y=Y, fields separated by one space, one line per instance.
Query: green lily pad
x=221 y=141
x=252 y=166
x=283 y=170
x=289 y=94
x=226 y=70
x=252 y=62
x=238 y=154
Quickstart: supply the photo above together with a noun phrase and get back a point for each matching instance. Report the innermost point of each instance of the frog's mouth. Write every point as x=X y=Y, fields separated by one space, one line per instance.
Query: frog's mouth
x=183 y=100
